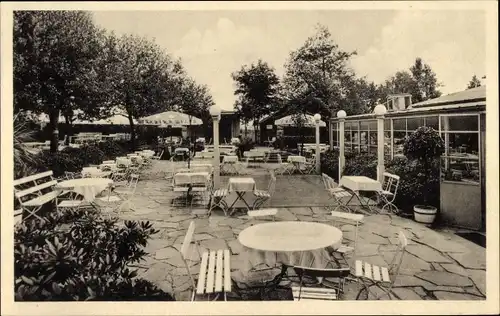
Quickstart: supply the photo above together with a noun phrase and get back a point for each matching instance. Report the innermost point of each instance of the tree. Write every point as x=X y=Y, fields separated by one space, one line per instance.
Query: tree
x=257 y=89
x=317 y=77
x=55 y=64
x=474 y=83
x=141 y=79
x=425 y=80
x=420 y=81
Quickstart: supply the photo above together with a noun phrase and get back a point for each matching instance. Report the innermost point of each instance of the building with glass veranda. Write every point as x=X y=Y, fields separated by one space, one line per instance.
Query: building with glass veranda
x=460 y=119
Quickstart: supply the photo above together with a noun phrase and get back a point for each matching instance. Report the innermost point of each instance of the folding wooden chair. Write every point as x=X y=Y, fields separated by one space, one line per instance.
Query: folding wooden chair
x=372 y=275
x=389 y=190
x=265 y=195
x=217 y=199
x=356 y=218
x=283 y=167
x=338 y=193
x=215 y=268
x=301 y=293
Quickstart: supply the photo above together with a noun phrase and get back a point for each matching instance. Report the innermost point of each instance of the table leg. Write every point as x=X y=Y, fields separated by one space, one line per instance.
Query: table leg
x=238 y=197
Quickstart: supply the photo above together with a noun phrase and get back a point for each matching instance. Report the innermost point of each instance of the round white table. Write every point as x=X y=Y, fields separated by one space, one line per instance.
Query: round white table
x=87 y=187
x=289 y=243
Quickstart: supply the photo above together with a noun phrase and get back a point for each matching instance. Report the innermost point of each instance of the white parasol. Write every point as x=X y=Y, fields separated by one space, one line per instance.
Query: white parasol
x=289 y=121
x=172 y=118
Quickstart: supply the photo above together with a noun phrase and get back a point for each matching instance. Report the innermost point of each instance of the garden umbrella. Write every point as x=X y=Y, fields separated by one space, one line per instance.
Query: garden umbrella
x=289 y=121
x=173 y=119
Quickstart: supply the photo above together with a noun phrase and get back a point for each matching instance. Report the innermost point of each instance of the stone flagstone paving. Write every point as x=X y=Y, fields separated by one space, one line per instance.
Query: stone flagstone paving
x=437 y=265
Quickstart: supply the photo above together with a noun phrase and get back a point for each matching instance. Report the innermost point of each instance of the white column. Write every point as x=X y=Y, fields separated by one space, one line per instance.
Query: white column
x=317 y=119
x=331 y=135
x=341 y=116
x=380 y=110
x=215 y=113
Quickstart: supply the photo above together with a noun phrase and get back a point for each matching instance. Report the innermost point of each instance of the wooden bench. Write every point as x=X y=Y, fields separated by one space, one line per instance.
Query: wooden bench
x=215 y=268
x=34 y=191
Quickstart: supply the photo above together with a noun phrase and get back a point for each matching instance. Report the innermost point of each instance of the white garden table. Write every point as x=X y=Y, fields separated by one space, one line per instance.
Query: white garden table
x=297 y=162
x=288 y=244
x=254 y=155
x=355 y=184
x=89 y=188
x=94 y=172
x=240 y=186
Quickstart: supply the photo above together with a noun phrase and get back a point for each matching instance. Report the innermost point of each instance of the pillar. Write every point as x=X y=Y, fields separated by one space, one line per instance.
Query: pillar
x=215 y=113
x=317 y=120
x=341 y=115
x=380 y=111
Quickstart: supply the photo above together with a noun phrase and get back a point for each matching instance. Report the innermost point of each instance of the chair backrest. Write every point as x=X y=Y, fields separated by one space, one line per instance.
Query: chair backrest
x=279 y=158
x=188 y=239
x=396 y=261
x=390 y=182
x=132 y=184
x=325 y=273
x=272 y=184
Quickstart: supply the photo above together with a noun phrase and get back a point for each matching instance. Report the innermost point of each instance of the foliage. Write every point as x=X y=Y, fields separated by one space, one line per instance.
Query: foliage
x=416 y=184
x=330 y=163
x=23 y=158
x=246 y=144
x=356 y=164
x=257 y=88
x=318 y=80
x=474 y=82
x=56 y=64
x=195 y=100
x=112 y=149
x=425 y=146
x=59 y=162
x=139 y=77
x=79 y=256
x=420 y=81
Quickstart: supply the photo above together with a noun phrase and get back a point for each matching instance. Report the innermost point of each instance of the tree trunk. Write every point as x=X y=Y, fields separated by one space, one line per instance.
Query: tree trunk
x=132 y=132
x=69 y=129
x=246 y=122
x=54 y=136
x=255 y=130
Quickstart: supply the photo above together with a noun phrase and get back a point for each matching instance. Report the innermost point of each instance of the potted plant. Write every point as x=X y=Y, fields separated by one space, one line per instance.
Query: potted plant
x=425 y=146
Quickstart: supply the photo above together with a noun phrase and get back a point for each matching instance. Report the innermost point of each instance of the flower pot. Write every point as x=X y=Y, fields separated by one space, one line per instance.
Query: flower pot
x=424 y=213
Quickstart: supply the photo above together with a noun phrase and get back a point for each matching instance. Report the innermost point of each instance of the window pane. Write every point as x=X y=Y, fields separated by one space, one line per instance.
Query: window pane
x=347 y=136
x=364 y=148
x=363 y=138
x=414 y=123
x=372 y=125
x=373 y=138
x=432 y=121
x=355 y=137
x=387 y=124
x=363 y=125
x=460 y=169
x=459 y=123
x=399 y=138
x=387 y=143
x=462 y=145
x=399 y=124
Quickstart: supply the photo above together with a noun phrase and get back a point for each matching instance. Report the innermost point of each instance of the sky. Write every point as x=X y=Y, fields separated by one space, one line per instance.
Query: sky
x=214 y=44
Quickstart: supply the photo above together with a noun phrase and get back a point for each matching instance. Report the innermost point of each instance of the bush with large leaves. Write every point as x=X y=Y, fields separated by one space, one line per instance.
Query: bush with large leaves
x=81 y=256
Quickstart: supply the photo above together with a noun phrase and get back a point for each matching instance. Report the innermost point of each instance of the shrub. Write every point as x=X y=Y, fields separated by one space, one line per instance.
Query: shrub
x=246 y=144
x=356 y=164
x=112 y=149
x=414 y=184
x=424 y=146
x=65 y=160
x=80 y=256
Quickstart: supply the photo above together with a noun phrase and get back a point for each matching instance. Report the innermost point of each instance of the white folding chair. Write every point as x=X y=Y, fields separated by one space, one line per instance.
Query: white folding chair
x=283 y=166
x=373 y=275
x=336 y=192
x=122 y=196
x=356 y=218
x=389 y=190
x=262 y=196
x=217 y=199
x=214 y=277
x=301 y=293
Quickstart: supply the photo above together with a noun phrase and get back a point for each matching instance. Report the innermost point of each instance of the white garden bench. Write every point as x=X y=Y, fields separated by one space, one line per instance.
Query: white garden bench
x=34 y=191
x=264 y=212
x=215 y=268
